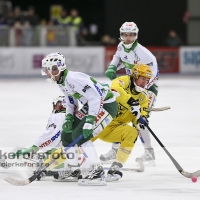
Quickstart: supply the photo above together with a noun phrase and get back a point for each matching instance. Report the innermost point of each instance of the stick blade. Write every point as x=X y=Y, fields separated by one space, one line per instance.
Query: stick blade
x=159 y=109
x=190 y=175
x=16 y=182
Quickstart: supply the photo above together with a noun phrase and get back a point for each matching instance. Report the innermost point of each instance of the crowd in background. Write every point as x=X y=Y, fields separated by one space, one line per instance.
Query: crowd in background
x=27 y=22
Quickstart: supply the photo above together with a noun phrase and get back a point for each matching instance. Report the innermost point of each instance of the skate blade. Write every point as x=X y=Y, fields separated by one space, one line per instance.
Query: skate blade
x=151 y=163
x=94 y=182
x=66 y=180
x=107 y=161
x=113 y=178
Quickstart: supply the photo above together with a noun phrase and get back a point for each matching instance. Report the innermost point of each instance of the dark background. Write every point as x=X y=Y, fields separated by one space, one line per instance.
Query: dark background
x=154 y=18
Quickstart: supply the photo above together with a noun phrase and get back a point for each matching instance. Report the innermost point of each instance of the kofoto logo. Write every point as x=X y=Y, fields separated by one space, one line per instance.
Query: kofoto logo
x=86 y=88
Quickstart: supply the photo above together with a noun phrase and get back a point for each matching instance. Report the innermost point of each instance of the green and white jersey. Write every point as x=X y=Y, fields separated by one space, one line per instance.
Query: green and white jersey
x=82 y=87
x=126 y=58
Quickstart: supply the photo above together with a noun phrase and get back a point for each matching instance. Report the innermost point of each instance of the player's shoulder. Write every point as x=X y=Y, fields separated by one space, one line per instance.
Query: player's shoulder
x=123 y=80
x=56 y=115
x=120 y=46
x=74 y=76
x=145 y=51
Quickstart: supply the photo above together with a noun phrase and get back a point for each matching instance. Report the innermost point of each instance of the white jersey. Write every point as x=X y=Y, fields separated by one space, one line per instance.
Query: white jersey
x=52 y=135
x=124 y=58
x=87 y=90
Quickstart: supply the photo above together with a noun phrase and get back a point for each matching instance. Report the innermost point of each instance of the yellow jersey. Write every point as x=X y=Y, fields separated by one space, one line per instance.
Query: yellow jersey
x=124 y=86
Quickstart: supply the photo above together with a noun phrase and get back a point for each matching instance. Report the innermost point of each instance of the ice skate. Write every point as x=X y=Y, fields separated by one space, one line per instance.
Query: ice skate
x=114 y=173
x=148 y=157
x=95 y=176
x=109 y=157
x=67 y=175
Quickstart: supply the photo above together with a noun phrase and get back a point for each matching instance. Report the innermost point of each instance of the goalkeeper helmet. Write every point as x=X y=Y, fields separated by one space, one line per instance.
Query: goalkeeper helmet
x=143 y=70
x=53 y=61
x=128 y=27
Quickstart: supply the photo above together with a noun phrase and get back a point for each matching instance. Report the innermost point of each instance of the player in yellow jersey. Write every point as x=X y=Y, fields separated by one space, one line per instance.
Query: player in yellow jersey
x=132 y=105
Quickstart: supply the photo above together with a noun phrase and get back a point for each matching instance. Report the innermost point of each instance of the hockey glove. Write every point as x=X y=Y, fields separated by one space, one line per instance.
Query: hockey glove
x=135 y=107
x=67 y=126
x=142 y=122
x=111 y=72
x=26 y=152
x=88 y=126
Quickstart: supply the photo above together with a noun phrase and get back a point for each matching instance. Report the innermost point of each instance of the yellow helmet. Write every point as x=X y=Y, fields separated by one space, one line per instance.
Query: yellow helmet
x=141 y=69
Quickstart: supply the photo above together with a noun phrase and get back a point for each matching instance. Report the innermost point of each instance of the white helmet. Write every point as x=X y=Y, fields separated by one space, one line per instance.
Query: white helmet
x=61 y=99
x=129 y=27
x=53 y=59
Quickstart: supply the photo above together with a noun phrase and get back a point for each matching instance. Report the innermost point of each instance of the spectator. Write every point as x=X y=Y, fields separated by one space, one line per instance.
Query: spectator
x=18 y=17
x=10 y=20
x=76 y=20
x=1 y=20
x=173 y=40
x=32 y=18
x=51 y=34
x=83 y=38
x=27 y=34
x=18 y=33
x=107 y=40
x=63 y=19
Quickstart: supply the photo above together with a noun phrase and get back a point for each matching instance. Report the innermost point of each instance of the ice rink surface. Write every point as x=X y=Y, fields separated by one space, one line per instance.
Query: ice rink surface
x=25 y=105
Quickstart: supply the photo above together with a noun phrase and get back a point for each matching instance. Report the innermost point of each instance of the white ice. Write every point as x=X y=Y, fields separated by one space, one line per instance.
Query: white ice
x=25 y=105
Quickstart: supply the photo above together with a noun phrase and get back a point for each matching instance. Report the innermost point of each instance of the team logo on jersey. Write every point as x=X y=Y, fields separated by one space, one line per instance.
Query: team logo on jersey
x=136 y=56
x=52 y=125
x=79 y=114
x=121 y=110
x=86 y=88
x=50 y=140
x=125 y=57
x=121 y=82
x=98 y=89
x=71 y=100
x=70 y=85
x=150 y=64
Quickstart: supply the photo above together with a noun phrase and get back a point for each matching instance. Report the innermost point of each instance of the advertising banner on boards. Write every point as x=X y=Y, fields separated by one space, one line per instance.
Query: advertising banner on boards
x=190 y=60
x=27 y=61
